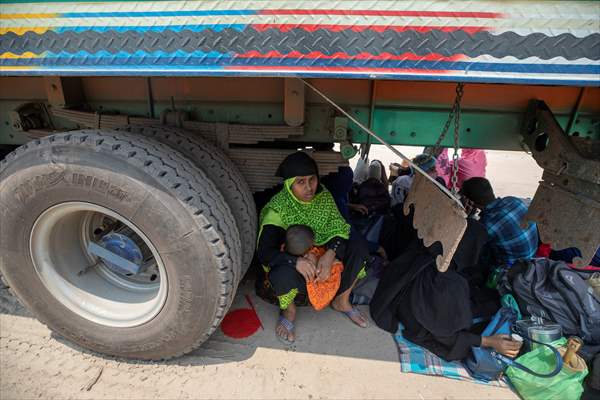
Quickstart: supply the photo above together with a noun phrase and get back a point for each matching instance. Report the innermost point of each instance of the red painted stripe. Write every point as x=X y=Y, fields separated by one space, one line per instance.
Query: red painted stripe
x=337 y=69
x=344 y=56
x=385 y=13
x=360 y=28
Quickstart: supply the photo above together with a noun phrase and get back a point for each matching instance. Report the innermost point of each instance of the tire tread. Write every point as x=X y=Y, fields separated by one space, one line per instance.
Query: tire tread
x=207 y=207
x=221 y=170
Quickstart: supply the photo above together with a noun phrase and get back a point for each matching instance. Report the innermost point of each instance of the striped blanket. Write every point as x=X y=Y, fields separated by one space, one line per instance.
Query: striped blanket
x=417 y=360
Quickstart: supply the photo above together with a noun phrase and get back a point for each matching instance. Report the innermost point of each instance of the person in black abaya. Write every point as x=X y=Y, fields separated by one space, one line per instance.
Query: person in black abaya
x=436 y=308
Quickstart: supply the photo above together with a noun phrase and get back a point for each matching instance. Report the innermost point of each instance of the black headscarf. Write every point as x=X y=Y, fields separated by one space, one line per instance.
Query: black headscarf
x=479 y=190
x=297 y=164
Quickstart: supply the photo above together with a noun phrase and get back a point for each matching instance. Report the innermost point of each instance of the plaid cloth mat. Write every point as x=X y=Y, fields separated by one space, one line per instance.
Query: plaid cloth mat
x=418 y=360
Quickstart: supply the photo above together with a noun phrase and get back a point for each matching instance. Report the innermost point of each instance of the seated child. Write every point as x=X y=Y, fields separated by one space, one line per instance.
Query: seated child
x=299 y=241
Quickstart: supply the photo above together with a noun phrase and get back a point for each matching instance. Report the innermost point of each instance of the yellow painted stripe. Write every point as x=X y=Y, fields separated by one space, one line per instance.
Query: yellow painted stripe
x=29 y=16
x=22 y=31
x=19 y=68
x=27 y=54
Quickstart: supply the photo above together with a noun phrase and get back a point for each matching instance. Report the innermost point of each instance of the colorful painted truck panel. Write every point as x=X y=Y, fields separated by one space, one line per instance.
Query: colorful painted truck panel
x=539 y=42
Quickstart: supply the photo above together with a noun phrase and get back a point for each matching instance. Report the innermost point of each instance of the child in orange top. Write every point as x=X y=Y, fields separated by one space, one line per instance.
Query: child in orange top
x=299 y=241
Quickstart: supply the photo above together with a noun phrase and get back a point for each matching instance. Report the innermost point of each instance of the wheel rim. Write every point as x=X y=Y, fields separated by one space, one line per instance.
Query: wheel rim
x=85 y=283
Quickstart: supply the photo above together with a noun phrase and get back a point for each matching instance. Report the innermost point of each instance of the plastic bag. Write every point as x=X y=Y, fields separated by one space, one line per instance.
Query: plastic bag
x=566 y=385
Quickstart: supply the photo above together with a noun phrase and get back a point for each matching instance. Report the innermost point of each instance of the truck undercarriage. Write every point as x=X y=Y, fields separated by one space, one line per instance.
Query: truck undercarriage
x=128 y=204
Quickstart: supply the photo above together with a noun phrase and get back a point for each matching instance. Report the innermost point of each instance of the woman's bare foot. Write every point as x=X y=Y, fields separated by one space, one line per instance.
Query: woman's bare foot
x=287 y=333
x=342 y=304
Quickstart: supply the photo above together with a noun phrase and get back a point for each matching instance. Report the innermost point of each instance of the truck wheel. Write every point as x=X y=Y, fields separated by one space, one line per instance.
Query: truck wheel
x=221 y=170
x=65 y=196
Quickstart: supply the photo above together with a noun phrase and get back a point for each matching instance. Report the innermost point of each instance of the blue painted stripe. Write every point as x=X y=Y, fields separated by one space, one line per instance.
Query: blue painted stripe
x=154 y=28
x=139 y=53
x=133 y=14
x=209 y=60
x=194 y=71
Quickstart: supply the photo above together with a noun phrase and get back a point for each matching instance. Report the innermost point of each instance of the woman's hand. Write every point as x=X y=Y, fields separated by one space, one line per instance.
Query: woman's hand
x=503 y=344
x=382 y=253
x=359 y=208
x=324 y=265
x=306 y=268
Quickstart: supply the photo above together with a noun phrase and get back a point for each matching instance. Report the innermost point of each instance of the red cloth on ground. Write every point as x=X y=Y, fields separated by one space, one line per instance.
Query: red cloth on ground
x=240 y=323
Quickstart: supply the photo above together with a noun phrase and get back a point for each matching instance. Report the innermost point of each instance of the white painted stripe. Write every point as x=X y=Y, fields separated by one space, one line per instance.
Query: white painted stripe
x=566 y=78
x=531 y=26
x=515 y=8
x=524 y=75
x=255 y=19
x=454 y=74
x=579 y=33
x=530 y=60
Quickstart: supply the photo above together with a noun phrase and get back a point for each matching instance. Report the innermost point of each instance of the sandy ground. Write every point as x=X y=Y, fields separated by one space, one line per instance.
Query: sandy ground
x=331 y=358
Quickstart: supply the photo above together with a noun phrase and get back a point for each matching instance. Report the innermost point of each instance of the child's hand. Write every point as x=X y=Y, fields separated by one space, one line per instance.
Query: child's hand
x=306 y=269
x=312 y=258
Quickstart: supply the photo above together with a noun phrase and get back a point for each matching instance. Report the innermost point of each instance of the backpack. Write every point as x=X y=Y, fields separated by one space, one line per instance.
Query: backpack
x=554 y=291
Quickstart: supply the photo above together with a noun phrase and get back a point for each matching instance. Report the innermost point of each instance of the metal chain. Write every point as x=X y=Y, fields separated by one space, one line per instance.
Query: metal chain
x=454 y=179
x=435 y=150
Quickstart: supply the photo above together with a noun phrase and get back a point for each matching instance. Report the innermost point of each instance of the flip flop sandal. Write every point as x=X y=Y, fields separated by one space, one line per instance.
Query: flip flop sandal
x=355 y=312
x=289 y=326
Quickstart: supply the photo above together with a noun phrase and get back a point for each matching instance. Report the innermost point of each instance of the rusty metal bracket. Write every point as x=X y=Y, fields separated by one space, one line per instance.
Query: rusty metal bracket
x=293 y=102
x=566 y=205
x=63 y=91
x=174 y=117
x=33 y=119
x=222 y=135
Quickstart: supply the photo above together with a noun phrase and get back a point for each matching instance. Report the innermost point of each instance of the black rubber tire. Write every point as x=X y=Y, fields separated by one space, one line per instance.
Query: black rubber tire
x=221 y=170
x=161 y=192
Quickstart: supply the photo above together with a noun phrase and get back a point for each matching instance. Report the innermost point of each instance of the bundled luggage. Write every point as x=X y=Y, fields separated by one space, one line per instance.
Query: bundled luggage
x=554 y=291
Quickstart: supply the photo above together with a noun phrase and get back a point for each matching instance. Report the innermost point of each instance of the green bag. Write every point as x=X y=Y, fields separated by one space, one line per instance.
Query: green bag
x=566 y=385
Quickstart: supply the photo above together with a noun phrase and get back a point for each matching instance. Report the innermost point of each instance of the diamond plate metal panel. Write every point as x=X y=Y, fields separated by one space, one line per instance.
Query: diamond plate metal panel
x=486 y=41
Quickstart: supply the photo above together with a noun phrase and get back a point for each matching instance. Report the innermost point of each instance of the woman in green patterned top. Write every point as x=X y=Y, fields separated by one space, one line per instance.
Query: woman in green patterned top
x=303 y=201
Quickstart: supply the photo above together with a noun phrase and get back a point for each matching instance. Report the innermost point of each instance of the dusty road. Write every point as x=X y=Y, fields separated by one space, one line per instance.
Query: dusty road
x=331 y=358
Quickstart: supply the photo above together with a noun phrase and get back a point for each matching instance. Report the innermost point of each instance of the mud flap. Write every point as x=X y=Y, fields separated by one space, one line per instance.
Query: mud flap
x=566 y=205
x=437 y=218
